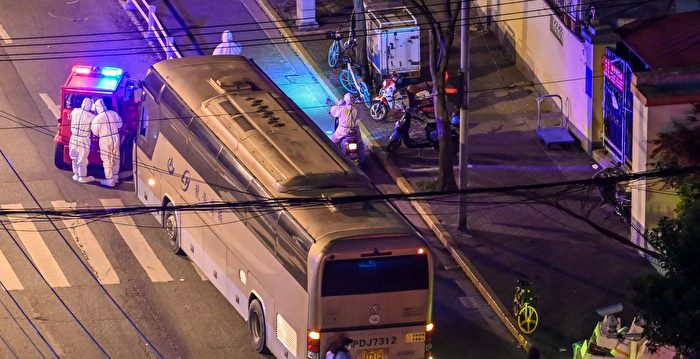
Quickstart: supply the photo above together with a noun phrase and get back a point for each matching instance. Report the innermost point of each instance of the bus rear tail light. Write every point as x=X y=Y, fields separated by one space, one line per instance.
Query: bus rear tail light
x=429 y=340
x=313 y=345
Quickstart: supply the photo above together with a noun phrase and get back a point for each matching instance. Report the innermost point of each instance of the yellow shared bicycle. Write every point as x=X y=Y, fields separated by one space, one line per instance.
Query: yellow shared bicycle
x=523 y=307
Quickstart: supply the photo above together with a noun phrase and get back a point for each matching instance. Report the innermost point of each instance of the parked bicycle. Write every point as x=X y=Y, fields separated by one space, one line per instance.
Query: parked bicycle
x=614 y=193
x=339 y=47
x=352 y=82
x=523 y=307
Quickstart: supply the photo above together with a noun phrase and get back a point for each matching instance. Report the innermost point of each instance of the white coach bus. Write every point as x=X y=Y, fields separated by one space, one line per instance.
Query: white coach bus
x=216 y=128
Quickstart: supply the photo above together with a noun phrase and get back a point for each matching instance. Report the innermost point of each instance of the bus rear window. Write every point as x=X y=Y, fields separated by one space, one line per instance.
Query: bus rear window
x=375 y=275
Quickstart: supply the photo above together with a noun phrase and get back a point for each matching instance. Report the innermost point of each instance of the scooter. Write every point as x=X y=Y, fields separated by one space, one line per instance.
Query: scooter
x=402 y=134
x=418 y=98
x=351 y=145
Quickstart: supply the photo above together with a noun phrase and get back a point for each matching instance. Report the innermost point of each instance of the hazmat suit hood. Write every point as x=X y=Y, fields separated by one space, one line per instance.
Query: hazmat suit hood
x=348 y=98
x=227 y=36
x=87 y=104
x=100 y=106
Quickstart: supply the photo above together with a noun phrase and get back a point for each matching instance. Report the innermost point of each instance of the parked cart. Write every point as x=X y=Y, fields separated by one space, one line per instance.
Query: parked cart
x=553 y=126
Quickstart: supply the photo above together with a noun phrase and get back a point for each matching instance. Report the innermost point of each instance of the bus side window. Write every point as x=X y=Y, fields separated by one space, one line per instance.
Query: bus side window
x=144 y=121
x=259 y=221
x=292 y=247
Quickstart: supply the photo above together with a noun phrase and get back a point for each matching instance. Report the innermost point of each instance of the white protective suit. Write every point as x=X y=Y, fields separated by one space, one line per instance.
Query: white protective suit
x=79 y=144
x=106 y=126
x=227 y=45
x=346 y=114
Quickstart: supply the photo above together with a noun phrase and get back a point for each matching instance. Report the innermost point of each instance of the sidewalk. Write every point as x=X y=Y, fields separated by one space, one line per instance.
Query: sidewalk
x=575 y=269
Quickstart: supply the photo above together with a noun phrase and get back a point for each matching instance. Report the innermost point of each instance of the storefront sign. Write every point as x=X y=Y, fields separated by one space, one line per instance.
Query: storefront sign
x=613 y=74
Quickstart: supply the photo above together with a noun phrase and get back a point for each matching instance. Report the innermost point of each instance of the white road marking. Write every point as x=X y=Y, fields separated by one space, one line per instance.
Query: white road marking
x=7 y=275
x=137 y=243
x=5 y=36
x=37 y=249
x=88 y=245
x=484 y=310
x=53 y=107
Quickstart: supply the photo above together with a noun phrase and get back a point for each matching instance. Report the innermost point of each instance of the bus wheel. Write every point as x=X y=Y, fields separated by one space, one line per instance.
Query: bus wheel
x=172 y=230
x=58 y=158
x=256 y=326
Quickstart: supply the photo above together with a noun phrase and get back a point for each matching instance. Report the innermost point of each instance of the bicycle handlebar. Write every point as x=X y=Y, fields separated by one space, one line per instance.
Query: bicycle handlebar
x=523 y=283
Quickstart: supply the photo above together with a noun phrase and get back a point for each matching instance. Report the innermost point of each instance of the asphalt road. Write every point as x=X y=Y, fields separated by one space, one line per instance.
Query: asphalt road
x=52 y=303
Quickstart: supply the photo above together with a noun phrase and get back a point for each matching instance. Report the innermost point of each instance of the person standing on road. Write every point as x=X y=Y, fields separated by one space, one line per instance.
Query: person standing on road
x=106 y=126
x=346 y=114
x=227 y=45
x=339 y=349
x=79 y=144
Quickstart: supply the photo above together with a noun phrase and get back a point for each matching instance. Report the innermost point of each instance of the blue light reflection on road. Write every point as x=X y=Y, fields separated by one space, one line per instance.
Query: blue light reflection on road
x=312 y=100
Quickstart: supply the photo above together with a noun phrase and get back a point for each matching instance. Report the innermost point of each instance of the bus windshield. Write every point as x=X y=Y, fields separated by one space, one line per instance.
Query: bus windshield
x=375 y=275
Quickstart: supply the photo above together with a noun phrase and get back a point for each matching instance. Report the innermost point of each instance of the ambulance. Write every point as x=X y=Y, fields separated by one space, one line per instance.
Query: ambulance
x=119 y=92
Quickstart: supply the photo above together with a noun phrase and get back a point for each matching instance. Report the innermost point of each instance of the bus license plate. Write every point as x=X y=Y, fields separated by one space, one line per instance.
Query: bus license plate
x=373 y=354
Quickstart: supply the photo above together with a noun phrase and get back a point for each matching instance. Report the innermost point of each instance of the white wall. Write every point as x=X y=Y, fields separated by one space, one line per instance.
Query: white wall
x=560 y=67
x=650 y=201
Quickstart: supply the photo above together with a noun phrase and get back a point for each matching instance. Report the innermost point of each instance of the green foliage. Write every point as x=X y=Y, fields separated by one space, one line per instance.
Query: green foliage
x=671 y=303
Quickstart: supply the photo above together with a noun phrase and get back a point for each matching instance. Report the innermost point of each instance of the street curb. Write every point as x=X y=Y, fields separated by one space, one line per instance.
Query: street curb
x=423 y=209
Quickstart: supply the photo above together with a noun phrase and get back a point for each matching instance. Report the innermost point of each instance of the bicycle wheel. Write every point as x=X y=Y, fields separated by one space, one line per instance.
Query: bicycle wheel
x=528 y=319
x=366 y=96
x=333 y=53
x=346 y=82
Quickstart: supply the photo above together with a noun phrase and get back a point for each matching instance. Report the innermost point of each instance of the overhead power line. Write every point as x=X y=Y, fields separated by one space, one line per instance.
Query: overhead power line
x=29 y=320
x=283 y=22
x=287 y=202
x=119 y=51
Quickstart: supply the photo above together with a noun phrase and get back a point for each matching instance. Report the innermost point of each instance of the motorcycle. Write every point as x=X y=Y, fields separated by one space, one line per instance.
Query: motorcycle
x=402 y=134
x=351 y=144
x=418 y=98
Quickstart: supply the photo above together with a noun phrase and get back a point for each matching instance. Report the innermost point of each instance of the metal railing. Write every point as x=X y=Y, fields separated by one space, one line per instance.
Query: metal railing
x=155 y=27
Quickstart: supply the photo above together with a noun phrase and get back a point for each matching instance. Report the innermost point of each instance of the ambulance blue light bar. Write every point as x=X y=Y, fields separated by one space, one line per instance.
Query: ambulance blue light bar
x=111 y=71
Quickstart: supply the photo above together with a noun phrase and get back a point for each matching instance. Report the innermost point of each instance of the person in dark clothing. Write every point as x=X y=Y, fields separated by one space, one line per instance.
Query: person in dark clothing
x=339 y=349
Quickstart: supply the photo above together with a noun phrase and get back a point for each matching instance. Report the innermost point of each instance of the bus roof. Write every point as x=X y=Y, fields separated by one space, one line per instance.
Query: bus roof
x=279 y=145
x=255 y=120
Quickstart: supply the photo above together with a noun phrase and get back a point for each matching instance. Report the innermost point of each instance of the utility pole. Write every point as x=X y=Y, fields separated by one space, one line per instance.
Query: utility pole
x=463 y=115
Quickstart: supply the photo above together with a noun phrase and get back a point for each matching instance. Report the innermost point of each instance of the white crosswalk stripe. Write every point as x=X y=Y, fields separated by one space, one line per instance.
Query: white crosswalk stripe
x=7 y=275
x=36 y=248
x=137 y=243
x=88 y=244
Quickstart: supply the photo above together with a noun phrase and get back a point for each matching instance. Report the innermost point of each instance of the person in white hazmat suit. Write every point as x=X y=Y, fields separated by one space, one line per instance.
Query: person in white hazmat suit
x=106 y=126
x=227 y=45
x=79 y=144
x=346 y=114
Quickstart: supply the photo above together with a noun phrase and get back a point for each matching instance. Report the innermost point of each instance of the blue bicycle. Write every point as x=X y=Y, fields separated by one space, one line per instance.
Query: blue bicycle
x=339 y=47
x=353 y=83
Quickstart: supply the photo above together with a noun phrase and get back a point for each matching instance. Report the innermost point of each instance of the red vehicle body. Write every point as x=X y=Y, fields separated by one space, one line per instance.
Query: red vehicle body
x=119 y=94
